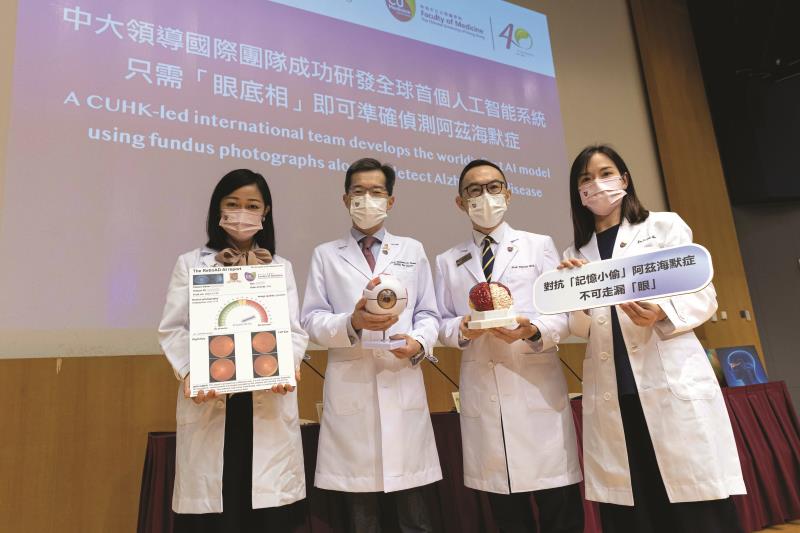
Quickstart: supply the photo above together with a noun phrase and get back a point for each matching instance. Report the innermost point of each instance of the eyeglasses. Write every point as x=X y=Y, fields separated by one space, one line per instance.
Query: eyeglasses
x=373 y=191
x=476 y=189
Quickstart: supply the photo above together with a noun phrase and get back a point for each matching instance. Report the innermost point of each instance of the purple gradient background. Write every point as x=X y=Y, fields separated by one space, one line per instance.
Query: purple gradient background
x=99 y=225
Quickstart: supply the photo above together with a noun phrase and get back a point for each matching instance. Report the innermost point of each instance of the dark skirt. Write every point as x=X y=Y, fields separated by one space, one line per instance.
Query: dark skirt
x=237 y=484
x=652 y=511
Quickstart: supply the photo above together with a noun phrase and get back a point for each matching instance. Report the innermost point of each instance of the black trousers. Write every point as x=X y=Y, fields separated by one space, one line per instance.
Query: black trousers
x=560 y=511
x=652 y=511
x=412 y=511
x=238 y=516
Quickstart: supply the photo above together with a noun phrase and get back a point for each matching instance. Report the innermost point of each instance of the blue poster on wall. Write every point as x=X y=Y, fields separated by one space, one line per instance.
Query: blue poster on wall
x=741 y=366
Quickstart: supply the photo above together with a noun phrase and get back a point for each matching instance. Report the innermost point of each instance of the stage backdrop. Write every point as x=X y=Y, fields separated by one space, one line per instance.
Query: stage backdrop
x=124 y=116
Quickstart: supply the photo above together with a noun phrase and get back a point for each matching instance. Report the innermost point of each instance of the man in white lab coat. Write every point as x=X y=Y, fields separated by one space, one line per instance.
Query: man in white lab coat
x=376 y=433
x=516 y=423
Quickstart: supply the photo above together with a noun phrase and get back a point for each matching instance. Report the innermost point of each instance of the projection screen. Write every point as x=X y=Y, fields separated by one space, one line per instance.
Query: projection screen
x=124 y=115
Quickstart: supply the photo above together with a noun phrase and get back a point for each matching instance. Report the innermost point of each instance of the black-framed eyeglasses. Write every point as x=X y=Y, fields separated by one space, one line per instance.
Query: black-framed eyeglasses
x=476 y=189
x=373 y=191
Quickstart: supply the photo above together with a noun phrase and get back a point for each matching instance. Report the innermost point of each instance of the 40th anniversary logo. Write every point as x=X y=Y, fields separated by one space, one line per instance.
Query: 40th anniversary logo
x=516 y=36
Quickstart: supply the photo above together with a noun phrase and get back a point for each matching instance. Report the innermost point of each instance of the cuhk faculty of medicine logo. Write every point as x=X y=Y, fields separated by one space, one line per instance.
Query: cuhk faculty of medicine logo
x=402 y=10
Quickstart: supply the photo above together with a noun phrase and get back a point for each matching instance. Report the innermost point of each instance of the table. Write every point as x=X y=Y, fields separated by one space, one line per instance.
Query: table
x=764 y=423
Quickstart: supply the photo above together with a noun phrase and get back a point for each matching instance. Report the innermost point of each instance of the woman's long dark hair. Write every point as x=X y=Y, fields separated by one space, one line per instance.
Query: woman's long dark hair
x=235 y=179
x=582 y=218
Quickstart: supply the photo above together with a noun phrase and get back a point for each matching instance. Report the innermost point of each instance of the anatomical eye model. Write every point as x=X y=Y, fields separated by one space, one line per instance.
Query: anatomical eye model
x=386 y=295
x=387 y=299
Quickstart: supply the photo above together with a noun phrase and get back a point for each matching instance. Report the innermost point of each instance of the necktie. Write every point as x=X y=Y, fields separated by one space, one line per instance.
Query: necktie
x=487 y=259
x=366 y=249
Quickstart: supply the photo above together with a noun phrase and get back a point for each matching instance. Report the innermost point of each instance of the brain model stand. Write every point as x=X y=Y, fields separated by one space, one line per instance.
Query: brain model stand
x=493 y=306
x=385 y=295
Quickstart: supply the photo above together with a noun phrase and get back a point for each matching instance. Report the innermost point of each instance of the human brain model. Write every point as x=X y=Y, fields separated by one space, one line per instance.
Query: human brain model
x=492 y=306
x=385 y=295
x=490 y=296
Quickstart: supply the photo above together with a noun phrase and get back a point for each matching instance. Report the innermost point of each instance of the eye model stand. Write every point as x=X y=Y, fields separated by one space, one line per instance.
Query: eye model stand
x=384 y=344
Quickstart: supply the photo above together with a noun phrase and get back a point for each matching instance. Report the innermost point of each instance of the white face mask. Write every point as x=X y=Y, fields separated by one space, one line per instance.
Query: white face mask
x=487 y=210
x=602 y=196
x=241 y=224
x=368 y=211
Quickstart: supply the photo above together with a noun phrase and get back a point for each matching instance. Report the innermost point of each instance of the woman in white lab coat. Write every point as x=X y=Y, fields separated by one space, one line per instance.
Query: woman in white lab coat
x=239 y=457
x=659 y=451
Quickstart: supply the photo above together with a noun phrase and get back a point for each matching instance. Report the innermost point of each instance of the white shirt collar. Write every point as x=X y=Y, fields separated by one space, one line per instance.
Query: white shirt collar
x=498 y=234
x=380 y=235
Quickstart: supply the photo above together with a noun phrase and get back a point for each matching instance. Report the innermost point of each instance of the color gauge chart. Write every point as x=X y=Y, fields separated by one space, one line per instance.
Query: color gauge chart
x=242 y=312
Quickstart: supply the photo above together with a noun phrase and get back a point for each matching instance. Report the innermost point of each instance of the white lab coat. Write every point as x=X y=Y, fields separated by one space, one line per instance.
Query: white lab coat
x=376 y=432
x=278 y=473
x=514 y=390
x=680 y=396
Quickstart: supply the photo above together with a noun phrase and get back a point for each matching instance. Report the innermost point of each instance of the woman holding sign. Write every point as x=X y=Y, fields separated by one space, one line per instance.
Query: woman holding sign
x=239 y=458
x=659 y=451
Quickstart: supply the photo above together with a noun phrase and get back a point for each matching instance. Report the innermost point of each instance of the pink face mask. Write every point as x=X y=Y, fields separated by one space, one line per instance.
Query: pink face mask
x=241 y=224
x=602 y=195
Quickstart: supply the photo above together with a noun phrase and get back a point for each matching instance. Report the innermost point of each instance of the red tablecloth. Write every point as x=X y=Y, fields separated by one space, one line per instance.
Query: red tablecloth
x=764 y=423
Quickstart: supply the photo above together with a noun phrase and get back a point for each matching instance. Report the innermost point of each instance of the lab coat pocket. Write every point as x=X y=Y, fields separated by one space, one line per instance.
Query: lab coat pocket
x=347 y=404
x=289 y=408
x=543 y=381
x=188 y=412
x=412 y=388
x=267 y=404
x=470 y=395
x=345 y=386
x=344 y=355
x=688 y=373
x=523 y=272
x=408 y=277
